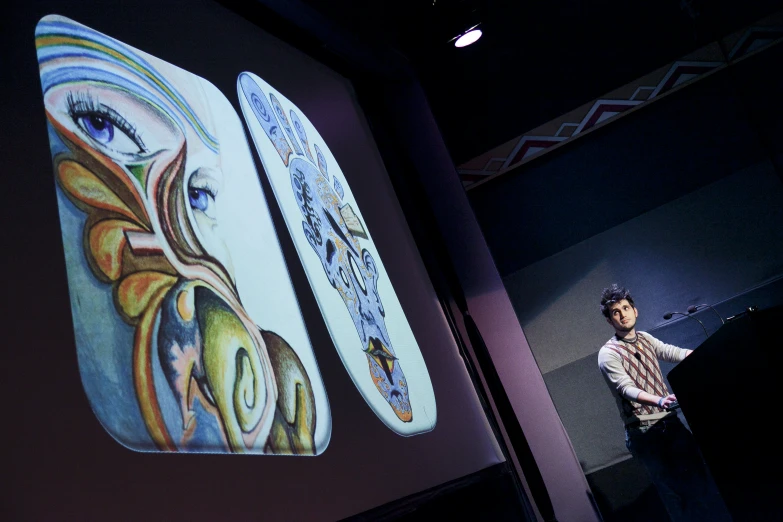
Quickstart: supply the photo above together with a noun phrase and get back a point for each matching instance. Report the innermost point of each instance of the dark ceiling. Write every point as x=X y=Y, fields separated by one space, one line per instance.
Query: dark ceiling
x=536 y=60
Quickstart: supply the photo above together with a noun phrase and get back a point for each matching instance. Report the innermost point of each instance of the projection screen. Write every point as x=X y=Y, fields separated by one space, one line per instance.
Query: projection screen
x=200 y=324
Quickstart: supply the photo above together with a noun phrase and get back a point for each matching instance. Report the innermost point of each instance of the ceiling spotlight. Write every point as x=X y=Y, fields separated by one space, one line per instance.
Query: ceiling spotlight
x=468 y=38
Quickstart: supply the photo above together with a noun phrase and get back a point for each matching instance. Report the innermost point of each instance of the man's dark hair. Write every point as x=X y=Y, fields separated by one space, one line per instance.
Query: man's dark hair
x=612 y=295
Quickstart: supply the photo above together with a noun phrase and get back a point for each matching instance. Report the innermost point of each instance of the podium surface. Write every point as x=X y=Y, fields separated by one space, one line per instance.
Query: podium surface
x=731 y=393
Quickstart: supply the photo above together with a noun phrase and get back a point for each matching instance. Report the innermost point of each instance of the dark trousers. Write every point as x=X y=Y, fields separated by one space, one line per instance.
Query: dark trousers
x=672 y=458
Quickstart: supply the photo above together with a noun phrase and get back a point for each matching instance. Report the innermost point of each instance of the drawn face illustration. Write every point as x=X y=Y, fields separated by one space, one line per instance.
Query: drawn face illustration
x=142 y=169
x=375 y=343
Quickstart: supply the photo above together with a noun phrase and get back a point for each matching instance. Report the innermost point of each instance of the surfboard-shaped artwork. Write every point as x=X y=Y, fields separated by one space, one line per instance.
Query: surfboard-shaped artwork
x=361 y=310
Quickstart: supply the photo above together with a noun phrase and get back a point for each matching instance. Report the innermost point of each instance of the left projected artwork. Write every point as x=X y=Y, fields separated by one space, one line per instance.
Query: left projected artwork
x=188 y=333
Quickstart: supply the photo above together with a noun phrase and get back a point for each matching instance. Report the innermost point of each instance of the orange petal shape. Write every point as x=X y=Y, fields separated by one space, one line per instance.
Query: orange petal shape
x=88 y=188
x=135 y=291
x=107 y=239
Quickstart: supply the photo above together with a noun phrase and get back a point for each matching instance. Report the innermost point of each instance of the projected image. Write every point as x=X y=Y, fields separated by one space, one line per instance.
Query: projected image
x=364 y=317
x=188 y=333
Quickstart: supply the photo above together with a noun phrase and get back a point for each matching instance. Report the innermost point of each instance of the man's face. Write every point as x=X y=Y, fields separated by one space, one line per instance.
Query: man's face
x=622 y=316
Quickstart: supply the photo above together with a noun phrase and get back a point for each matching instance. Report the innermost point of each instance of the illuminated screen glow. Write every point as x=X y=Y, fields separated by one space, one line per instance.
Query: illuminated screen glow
x=359 y=304
x=188 y=332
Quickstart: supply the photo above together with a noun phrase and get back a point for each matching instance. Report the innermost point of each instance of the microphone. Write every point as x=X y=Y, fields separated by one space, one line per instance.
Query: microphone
x=693 y=308
x=668 y=315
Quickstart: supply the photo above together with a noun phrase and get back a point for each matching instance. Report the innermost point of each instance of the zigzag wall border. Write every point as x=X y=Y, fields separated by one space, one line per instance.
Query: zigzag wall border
x=697 y=65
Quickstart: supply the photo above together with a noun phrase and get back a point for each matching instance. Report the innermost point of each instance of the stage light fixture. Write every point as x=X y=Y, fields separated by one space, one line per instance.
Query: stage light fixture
x=468 y=38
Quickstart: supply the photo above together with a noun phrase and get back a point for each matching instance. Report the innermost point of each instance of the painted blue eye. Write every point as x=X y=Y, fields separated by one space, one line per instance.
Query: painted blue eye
x=199 y=198
x=99 y=128
x=104 y=125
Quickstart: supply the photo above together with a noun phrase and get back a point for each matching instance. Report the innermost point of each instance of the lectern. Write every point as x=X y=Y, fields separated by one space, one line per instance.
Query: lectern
x=731 y=392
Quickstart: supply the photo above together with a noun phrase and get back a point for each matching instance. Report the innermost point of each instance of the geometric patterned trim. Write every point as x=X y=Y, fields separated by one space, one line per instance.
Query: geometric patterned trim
x=602 y=110
x=527 y=146
x=541 y=140
x=530 y=145
x=755 y=38
x=682 y=72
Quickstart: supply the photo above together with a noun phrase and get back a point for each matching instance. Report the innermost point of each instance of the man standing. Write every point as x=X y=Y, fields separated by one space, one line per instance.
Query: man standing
x=653 y=432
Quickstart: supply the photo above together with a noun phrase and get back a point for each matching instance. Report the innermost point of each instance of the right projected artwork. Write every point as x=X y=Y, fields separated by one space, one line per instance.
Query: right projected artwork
x=361 y=310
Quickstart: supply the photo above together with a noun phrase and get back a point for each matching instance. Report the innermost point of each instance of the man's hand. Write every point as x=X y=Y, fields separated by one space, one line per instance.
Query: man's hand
x=667 y=401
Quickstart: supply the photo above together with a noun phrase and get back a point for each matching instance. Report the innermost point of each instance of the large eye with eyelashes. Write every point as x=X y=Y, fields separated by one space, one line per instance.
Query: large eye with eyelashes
x=104 y=125
x=106 y=132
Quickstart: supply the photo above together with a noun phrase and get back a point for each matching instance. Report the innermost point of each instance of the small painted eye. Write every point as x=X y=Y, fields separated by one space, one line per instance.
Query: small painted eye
x=201 y=199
